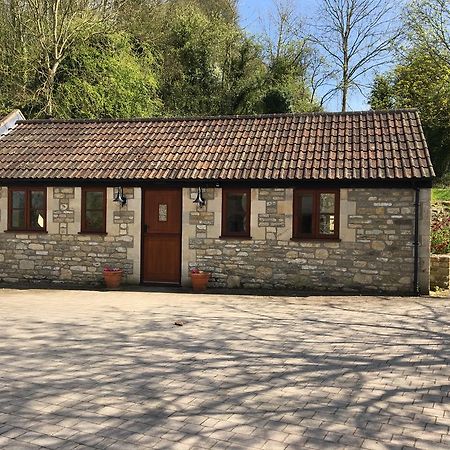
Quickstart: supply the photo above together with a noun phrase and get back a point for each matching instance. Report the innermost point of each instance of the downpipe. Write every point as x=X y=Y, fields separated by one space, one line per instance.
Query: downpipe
x=416 y=241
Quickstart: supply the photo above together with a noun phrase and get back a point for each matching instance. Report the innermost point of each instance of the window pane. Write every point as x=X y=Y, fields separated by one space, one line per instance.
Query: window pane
x=236 y=219
x=162 y=212
x=37 y=200
x=327 y=203
x=327 y=224
x=306 y=218
x=94 y=220
x=18 y=199
x=18 y=218
x=326 y=219
x=94 y=200
x=37 y=219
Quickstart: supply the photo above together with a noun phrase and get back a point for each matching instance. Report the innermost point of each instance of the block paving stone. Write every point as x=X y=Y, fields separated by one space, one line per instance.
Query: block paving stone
x=110 y=370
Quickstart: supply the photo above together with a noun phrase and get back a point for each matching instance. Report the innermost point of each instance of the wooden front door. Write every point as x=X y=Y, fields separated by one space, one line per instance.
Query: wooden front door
x=161 y=236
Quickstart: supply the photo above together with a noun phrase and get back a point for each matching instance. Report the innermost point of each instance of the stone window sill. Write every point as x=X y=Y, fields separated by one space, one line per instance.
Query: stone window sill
x=236 y=238
x=315 y=239
x=97 y=233
x=27 y=231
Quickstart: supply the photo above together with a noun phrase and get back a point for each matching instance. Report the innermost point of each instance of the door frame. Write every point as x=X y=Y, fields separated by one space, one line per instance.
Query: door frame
x=161 y=283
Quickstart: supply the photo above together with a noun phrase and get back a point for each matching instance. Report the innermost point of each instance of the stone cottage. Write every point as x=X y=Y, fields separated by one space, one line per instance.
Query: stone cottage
x=324 y=201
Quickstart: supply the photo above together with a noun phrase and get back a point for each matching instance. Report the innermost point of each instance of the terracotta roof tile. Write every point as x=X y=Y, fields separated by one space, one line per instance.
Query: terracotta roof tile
x=322 y=146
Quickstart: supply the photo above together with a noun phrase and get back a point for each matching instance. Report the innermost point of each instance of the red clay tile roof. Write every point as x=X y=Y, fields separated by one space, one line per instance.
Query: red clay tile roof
x=322 y=146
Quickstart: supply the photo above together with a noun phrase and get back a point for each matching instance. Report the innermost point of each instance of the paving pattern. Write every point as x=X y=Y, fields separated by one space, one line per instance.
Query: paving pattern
x=110 y=370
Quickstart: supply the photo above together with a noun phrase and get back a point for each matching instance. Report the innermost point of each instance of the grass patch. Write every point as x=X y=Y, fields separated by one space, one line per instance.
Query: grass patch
x=441 y=194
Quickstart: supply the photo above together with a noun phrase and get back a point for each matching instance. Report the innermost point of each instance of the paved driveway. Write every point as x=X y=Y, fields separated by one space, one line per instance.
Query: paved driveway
x=111 y=370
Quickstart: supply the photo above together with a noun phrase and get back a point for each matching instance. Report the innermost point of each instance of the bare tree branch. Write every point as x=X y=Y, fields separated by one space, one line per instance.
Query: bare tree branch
x=356 y=36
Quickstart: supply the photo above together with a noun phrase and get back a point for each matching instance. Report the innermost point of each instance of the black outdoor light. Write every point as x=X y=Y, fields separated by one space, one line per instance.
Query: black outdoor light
x=120 y=197
x=199 y=200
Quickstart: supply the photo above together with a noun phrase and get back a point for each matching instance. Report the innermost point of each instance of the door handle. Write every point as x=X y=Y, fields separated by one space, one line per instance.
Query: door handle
x=145 y=228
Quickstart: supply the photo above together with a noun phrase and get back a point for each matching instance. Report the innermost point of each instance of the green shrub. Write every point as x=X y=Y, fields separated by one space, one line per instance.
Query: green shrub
x=440 y=232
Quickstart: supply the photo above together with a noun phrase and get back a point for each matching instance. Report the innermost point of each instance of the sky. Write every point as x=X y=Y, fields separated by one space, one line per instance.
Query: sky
x=252 y=14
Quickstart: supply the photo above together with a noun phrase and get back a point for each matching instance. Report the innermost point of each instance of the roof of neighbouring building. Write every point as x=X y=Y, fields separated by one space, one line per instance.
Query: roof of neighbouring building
x=8 y=122
x=318 y=146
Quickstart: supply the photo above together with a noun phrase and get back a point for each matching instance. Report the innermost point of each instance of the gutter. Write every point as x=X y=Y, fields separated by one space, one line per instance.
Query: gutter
x=416 y=242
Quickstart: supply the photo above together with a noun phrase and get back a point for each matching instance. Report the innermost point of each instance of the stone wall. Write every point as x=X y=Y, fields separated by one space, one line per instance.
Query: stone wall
x=63 y=254
x=374 y=253
x=440 y=272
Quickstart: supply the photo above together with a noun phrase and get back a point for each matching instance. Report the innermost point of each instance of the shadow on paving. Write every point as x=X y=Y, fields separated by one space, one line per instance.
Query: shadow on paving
x=169 y=289
x=279 y=372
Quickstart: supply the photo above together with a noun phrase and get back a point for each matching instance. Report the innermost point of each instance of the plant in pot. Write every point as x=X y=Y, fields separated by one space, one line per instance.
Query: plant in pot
x=112 y=277
x=199 y=279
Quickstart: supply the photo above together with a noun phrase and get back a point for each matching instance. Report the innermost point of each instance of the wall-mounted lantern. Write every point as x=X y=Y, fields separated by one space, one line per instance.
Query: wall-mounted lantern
x=119 y=196
x=199 y=200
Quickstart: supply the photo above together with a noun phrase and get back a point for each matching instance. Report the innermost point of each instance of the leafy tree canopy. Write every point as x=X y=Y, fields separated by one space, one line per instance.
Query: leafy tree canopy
x=140 y=58
x=418 y=82
x=109 y=77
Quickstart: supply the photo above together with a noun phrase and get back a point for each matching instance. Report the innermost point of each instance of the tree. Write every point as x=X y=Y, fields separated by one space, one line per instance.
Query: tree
x=190 y=66
x=356 y=36
x=428 y=24
x=207 y=64
x=93 y=74
x=106 y=77
x=290 y=78
x=56 y=26
x=421 y=76
x=382 y=95
x=17 y=54
x=418 y=82
x=242 y=77
x=60 y=58
x=226 y=9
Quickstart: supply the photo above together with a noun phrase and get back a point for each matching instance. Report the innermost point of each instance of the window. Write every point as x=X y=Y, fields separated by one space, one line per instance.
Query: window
x=93 y=210
x=236 y=212
x=316 y=214
x=27 y=209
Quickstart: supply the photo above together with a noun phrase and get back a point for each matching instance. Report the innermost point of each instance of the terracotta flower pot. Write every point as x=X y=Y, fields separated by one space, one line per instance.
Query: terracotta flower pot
x=112 y=277
x=199 y=281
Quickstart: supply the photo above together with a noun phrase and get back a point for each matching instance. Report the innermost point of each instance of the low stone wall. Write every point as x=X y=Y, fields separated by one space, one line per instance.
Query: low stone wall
x=440 y=272
x=58 y=258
